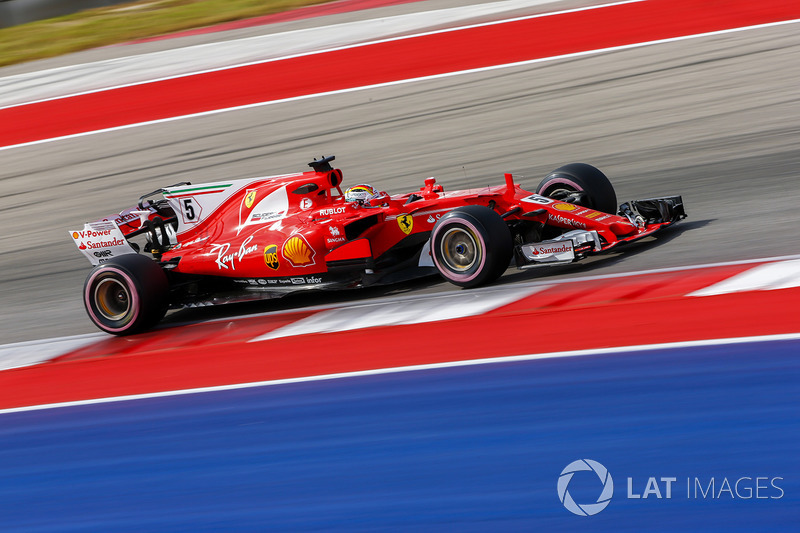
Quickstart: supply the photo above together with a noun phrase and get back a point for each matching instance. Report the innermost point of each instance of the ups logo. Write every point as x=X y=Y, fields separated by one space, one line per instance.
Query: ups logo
x=271 y=256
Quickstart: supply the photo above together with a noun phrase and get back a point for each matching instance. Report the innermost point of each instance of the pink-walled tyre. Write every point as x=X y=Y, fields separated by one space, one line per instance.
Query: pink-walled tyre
x=126 y=295
x=471 y=246
x=598 y=191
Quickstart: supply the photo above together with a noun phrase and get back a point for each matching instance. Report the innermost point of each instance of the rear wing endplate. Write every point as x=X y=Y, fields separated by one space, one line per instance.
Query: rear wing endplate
x=100 y=241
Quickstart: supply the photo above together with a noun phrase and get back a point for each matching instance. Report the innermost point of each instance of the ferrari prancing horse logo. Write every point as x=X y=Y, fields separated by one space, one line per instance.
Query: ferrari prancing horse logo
x=250 y=198
x=406 y=223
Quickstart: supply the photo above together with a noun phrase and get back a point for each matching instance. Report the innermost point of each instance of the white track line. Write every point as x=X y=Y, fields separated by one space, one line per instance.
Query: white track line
x=416 y=311
x=32 y=352
x=414 y=368
x=401 y=82
x=772 y=276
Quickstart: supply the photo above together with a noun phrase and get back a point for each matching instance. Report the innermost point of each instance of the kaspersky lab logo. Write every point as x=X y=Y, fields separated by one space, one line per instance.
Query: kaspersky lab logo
x=585 y=509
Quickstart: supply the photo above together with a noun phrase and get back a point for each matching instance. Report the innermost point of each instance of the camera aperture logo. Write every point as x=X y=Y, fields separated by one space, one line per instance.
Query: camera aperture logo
x=585 y=509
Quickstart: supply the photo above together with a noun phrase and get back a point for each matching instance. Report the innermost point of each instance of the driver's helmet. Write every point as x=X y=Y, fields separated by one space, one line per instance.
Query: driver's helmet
x=360 y=193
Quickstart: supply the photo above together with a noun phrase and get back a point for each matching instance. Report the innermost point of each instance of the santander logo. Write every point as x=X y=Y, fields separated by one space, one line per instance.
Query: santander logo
x=554 y=249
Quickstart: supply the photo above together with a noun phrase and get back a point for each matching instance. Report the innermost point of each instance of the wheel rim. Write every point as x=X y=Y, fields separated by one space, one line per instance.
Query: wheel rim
x=560 y=191
x=459 y=249
x=113 y=299
x=563 y=192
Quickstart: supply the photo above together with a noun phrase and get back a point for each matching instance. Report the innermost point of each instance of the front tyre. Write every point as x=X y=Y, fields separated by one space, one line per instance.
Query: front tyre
x=593 y=187
x=126 y=295
x=471 y=246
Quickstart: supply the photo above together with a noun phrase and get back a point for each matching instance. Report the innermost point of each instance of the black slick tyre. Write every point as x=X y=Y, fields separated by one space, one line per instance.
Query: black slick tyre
x=471 y=246
x=126 y=295
x=598 y=191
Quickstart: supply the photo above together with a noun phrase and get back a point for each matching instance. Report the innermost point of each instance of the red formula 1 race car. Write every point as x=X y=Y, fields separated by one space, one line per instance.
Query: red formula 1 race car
x=188 y=245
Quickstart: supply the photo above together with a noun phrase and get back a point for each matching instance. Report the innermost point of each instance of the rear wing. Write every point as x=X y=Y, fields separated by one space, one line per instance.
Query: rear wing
x=100 y=241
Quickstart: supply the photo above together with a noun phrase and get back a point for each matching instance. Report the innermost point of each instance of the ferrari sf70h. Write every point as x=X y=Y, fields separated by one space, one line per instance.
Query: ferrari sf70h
x=203 y=244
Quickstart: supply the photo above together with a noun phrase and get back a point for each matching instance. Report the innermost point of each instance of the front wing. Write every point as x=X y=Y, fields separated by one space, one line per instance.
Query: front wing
x=649 y=215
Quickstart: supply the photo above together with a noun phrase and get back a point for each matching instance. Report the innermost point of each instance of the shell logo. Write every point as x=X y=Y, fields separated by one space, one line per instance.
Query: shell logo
x=565 y=207
x=75 y=235
x=297 y=250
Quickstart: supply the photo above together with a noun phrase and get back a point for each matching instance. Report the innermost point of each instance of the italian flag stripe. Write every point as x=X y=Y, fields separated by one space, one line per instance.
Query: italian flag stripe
x=201 y=190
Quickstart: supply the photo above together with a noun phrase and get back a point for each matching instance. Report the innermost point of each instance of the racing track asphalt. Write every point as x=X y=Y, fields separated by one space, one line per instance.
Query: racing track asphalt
x=715 y=119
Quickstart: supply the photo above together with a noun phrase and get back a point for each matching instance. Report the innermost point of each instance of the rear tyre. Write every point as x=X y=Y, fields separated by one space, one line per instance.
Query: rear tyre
x=126 y=295
x=471 y=246
x=598 y=193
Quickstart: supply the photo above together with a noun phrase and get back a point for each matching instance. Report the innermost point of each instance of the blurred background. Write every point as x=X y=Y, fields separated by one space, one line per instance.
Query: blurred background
x=13 y=12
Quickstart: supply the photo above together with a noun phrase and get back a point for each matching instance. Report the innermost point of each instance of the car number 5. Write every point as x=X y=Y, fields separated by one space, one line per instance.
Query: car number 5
x=188 y=209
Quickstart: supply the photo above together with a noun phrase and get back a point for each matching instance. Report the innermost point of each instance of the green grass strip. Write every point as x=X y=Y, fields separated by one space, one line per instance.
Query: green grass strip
x=127 y=22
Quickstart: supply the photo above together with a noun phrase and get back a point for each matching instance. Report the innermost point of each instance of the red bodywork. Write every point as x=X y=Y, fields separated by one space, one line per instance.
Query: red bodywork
x=316 y=228
x=255 y=238
x=315 y=231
